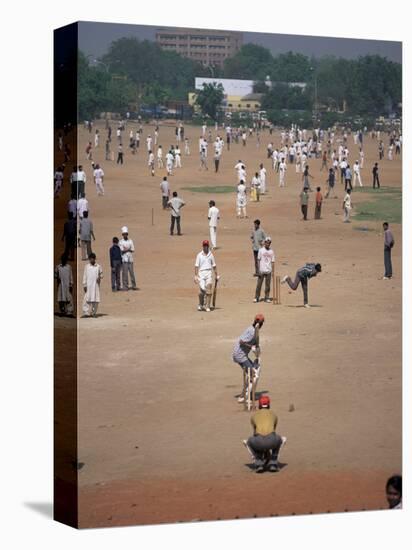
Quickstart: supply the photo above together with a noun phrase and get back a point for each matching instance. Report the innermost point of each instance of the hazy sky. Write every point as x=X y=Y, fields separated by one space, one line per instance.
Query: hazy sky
x=94 y=39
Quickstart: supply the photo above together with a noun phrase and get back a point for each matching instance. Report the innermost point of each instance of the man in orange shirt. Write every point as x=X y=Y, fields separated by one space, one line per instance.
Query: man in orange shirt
x=318 y=203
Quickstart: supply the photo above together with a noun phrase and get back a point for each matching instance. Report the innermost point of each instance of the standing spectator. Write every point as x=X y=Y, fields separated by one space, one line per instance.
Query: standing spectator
x=82 y=206
x=86 y=235
x=216 y=158
x=213 y=217
x=282 y=172
x=262 y=177
x=305 y=179
x=175 y=203
x=331 y=182
x=318 y=203
x=119 y=154
x=356 y=174
x=64 y=279
x=165 y=189
x=266 y=261
x=304 y=200
x=92 y=276
x=115 y=264
x=257 y=237
x=375 y=174
x=69 y=236
x=389 y=242
x=127 y=248
x=348 y=178
x=347 y=206
x=81 y=181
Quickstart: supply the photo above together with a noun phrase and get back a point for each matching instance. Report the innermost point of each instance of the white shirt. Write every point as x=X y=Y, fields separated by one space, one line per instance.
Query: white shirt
x=255 y=182
x=266 y=258
x=169 y=158
x=356 y=168
x=82 y=206
x=241 y=190
x=262 y=174
x=159 y=153
x=127 y=247
x=98 y=175
x=205 y=262
x=164 y=186
x=282 y=167
x=72 y=207
x=81 y=176
x=347 y=201
x=151 y=159
x=213 y=216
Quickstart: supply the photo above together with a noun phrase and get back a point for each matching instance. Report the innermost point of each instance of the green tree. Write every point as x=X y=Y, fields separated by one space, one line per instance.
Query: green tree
x=251 y=62
x=209 y=99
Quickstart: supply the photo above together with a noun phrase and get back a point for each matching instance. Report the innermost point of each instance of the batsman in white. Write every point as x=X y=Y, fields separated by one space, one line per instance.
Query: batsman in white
x=205 y=266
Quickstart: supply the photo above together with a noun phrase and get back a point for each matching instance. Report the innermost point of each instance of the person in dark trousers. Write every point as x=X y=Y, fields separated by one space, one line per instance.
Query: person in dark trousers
x=318 y=203
x=389 y=242
x=302 y=275
x=70 y=236
x=304 y=199
x=175 y=204
x=115 y=264
x=331 y=182
x=375 y=174
x=120 y=154
x=257 y=237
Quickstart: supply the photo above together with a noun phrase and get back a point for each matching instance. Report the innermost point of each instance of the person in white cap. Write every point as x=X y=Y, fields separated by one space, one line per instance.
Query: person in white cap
x=92 y=276
x=204 y=266
x=127 y=248
x=266 y=262
x=213 y=217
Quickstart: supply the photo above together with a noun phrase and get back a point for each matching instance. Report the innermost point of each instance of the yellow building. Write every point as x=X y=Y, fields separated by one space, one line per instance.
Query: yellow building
x=233 y=103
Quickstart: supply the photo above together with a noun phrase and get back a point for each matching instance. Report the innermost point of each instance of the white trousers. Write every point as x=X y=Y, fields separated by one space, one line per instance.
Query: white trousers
x=213 y=235
x=356 y=177
x=205 y=279
x=99 y=187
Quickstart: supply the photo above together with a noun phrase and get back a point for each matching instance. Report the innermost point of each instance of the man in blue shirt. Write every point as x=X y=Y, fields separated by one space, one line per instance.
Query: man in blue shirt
x=302 y=275
x=115 y=264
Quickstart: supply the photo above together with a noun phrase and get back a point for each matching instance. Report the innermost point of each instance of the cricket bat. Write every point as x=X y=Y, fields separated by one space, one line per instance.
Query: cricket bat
x=214 y=294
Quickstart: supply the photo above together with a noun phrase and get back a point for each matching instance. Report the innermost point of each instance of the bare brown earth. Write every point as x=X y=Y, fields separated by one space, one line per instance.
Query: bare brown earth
x=159 y=428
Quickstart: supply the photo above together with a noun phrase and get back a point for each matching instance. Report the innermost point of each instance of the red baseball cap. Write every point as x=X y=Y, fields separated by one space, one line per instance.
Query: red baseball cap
x=205 y=242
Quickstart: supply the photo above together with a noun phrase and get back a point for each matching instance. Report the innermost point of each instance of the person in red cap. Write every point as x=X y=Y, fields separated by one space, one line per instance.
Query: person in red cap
x=205 y=265
x=264 y=445
x=243 y=346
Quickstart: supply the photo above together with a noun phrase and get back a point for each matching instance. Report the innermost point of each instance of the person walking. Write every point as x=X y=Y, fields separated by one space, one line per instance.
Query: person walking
x=176 y=204
x=257 y=237
x=159 y=156
x=92 y=277
x=305 y=179
x=82 y=206
x=375 y=175
x=302 y=276
x=127 y=249
x=115 y=264
x=213 y=217
x=86 y=235
x=205 y=265
x=318 y=203
x=347 y=206
x=98 y=176
x=348 y=179
x=282 y=172
x=119 y=154
x=304 y=201
x=216 y=159
x=331 y=182
x=266 y=264
x=356 y=174
x=389 y=242
x=262 y=177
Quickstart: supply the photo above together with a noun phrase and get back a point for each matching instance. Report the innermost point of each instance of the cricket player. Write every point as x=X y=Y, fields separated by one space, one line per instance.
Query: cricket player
x=282 y=172
x=165 y=189
x=265 y=444
x=347 y=206
x=262 y=176
x=127 y=248
x=306 y=272
x=213 y=217
x=244 y=345
x=151 y=162
x=241 y=200
x=92 y=276
x=205 y=265
x=356 y=174
x=159 y=156
x=98 y=176
x=266 y=263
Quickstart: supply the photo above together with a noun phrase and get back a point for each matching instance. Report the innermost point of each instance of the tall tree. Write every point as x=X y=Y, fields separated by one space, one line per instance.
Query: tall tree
x=209 y=99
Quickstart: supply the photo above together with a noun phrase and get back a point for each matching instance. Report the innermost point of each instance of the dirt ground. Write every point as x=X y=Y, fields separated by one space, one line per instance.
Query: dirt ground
x=160 y=429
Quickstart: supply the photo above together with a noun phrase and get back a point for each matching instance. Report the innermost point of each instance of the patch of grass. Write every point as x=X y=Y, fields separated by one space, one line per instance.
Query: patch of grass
x=386 y=205
x=211 y=190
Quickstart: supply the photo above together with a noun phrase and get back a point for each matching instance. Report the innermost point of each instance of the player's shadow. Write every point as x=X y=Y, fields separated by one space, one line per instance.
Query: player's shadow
x=257 y=394
x=97 y=315
x=302 y=306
